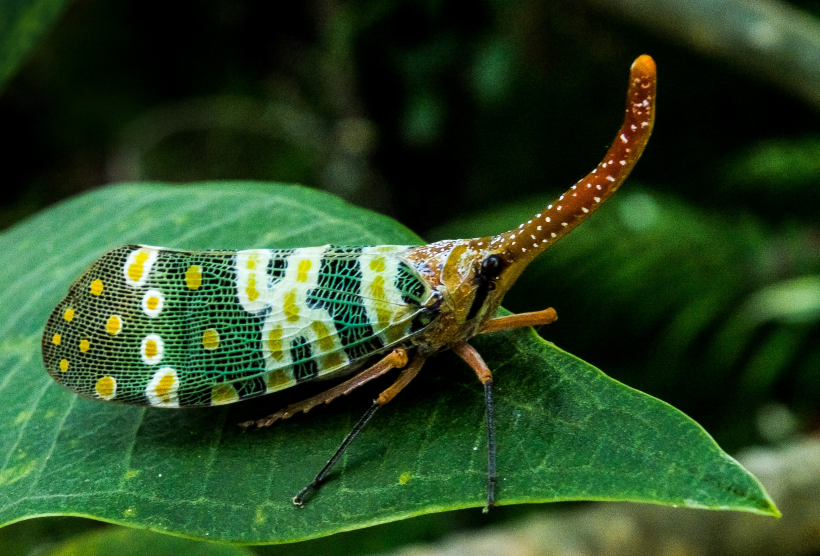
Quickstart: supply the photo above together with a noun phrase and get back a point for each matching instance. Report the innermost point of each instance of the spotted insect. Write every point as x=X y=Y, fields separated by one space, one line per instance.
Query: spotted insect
x=167 y=328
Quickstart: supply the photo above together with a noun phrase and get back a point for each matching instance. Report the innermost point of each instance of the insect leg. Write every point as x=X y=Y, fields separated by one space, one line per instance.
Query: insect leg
x=407 y=374
x=474 y=360
x=536 y=318
x=394 y=360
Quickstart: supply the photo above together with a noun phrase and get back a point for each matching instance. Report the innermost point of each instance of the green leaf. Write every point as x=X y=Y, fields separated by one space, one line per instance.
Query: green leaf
x=133 y=542
x=22 y=24
x=565 y=430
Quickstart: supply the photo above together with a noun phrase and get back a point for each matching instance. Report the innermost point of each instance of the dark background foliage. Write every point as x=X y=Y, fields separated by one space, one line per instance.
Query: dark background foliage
x=699 y=283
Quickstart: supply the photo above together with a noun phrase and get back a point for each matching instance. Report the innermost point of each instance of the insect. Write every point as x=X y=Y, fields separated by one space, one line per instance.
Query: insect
x=168 y=328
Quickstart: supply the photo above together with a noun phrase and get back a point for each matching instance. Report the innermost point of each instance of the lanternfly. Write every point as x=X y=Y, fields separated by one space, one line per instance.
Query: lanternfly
x=168 y=328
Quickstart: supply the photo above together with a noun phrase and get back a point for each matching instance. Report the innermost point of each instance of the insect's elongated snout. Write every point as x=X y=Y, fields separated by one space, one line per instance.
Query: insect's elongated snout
x=520 y=246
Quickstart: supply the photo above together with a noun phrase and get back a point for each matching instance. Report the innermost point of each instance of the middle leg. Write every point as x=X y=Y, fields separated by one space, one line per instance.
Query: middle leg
x=407 y=374
x=474 y=360
x=394 y=360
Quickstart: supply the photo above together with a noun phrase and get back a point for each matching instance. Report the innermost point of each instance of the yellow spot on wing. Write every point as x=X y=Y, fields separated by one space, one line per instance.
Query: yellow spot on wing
x=223 y=393
x=302 y=272
x=64 y=365
x=193 y=277
x=114 y=325
x=210 y=339
x=322 y=335
x=394 y=333
x=378 y=264
x=84 y=345
x=164 y=387
x=56 y=339
x=383 y=312
x=289 y=307
x=152 y=302
x=275 y=343
x=96 y=288
x=135 y=269
x=150 y=349
x=377 y=288
x=384 y=317
x=278 y=378
x=68 y=315
x=332 y=360
x=106 y=387
x=251 y=289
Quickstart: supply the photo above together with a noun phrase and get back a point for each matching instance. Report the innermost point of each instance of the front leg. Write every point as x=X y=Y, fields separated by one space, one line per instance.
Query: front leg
x=536 y=318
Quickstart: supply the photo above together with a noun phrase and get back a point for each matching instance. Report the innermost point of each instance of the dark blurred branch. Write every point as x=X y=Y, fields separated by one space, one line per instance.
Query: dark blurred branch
x=764 y=37
x=143 y=134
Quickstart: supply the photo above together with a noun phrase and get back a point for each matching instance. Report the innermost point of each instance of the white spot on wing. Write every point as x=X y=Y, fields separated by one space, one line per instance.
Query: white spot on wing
x=159 y=349
x=167 y=395
x=144 y=267
x=158 y=299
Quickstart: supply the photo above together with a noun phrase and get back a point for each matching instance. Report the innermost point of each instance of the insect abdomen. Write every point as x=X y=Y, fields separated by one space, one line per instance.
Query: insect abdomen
x=168 y=328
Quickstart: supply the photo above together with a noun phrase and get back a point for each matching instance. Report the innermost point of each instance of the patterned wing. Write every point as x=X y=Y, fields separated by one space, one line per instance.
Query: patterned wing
x=147 y=325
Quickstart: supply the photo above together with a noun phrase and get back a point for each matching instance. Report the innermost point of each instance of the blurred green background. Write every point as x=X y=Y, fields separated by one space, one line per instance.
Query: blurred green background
x=699 y=283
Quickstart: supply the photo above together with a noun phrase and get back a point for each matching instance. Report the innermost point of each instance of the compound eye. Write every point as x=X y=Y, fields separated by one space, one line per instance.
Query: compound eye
x=491 y=265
